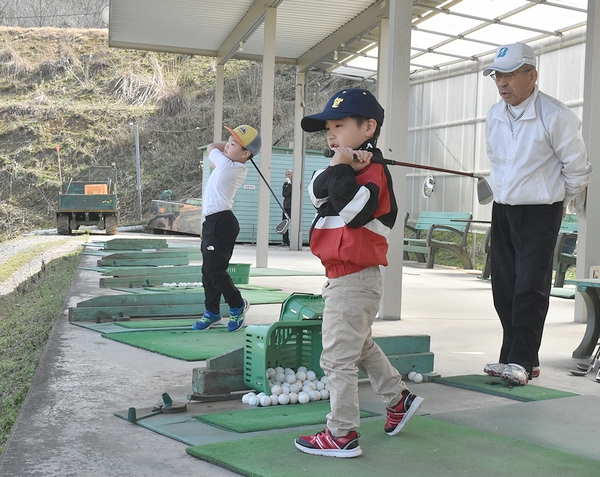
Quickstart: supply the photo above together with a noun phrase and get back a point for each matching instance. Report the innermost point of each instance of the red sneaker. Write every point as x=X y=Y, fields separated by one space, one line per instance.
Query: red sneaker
x=399 y=415
x=324 y=443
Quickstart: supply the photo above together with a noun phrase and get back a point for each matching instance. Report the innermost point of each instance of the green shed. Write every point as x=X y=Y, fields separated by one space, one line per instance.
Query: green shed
x=245 y=206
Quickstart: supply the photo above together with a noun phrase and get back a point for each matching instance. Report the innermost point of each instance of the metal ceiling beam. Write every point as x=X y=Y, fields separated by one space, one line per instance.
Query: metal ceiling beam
x=244 y=29
x=558 y=5
x=498 y=20
x=352 y=30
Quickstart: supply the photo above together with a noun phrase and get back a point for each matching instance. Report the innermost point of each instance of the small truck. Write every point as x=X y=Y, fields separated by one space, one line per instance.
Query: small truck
x=91 y=202
x=180 y=217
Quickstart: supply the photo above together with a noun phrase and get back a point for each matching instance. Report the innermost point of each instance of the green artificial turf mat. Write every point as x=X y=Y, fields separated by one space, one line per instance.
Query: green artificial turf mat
x=279 y=272
x=277 y=417
x=490 y=385
x=255 y=295
x=425 y=448
x=187 y=345
x=145 y=324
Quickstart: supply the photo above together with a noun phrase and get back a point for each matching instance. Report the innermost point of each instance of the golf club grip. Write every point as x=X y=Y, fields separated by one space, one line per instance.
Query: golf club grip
x=389 y=162
x=375 y=160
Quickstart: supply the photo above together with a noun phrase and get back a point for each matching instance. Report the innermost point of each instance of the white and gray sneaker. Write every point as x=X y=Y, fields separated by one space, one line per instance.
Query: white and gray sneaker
x=515 y=374
x=495 y=369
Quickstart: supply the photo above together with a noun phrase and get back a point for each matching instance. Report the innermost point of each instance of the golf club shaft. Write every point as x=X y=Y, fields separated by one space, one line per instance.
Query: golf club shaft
x=389 y=162
x=267 y=184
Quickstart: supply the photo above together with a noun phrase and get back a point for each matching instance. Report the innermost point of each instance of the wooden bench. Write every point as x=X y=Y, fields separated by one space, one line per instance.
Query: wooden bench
x=424 y=243
x=564 y=251
x=590 y=291
x=565 y=255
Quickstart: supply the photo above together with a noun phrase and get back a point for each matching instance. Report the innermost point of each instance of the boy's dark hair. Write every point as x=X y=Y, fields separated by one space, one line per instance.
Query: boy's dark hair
x=360 y=120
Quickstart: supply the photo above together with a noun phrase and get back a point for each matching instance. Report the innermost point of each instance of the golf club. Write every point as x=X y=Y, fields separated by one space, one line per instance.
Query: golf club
x=282 y=226
x=582 y=369
x=484 y=192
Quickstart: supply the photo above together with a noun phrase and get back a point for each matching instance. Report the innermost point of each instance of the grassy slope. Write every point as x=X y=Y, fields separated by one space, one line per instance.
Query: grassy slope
x=67 y=88
x=26 y=319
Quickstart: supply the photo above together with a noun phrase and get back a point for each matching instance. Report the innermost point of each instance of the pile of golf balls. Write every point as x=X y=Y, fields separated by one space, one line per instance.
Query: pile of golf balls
x=182 y=284
x=290 y=387
x=415 y=377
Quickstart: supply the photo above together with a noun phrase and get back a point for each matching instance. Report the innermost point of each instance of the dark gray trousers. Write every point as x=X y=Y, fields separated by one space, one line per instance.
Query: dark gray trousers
x=523 y=241
x=219 y=233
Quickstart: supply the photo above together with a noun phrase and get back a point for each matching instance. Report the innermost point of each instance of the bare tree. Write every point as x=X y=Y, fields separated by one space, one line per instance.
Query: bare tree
x=53 y=13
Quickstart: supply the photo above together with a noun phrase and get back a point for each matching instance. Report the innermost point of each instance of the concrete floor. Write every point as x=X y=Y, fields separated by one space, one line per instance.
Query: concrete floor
x=67 y=426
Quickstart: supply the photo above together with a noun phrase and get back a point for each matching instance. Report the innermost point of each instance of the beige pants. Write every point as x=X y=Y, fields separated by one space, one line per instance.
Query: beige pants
x=351 y=304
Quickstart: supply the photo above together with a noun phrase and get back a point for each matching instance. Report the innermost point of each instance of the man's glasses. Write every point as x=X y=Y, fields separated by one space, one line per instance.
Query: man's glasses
x=507 y=76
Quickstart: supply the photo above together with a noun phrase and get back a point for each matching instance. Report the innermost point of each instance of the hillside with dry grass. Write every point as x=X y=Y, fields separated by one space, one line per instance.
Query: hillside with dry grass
x=68 y=101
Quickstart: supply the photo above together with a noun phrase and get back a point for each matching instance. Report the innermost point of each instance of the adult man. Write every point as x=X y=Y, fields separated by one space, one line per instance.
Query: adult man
x=538 y=165
x=286 y=192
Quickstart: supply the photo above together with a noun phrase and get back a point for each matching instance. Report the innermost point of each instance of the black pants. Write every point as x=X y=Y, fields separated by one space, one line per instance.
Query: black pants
x=523 y=241
x=219 y=233
x=286 y=235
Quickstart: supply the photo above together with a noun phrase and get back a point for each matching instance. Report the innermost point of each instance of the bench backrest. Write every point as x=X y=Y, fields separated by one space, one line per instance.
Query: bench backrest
x=427 y=219
x=569 y=224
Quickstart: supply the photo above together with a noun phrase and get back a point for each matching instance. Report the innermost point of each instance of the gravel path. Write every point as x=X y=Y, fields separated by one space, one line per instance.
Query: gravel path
x=64 y=245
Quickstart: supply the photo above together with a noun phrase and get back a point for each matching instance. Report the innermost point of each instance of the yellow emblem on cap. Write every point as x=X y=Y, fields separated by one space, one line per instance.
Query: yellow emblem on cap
x=337 y=102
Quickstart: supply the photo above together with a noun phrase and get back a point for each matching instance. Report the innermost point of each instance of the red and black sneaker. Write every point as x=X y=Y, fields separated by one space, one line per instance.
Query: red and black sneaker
x=400 y=414
x=324 y=443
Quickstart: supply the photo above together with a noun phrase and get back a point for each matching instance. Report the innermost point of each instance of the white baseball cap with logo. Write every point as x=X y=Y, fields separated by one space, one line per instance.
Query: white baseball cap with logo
x=511 y=57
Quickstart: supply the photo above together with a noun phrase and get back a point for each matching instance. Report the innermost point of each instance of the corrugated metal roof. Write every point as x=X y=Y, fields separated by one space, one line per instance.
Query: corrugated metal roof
x=338 y=36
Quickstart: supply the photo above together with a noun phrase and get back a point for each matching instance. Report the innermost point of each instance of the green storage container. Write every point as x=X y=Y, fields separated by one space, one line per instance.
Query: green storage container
x=302 y=306
x=289 y=344
x=239 y=272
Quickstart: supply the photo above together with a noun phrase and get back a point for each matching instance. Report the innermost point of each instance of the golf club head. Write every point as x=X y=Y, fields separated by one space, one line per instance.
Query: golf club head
x=484 y=191
x=577 y=372
x=282 y=226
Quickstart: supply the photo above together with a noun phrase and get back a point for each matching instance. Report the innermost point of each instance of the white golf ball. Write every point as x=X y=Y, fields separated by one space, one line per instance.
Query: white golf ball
x=246 y=397
x=279 y=369
x=303 y=398
x=293 y=398
x=265 y=401
x=324 y=379
x=411 y=375
x=301 y=376
x=290 y=378
x=271 y=372
x=280 y=377
x=287 y=371
x=284 y=399
x=301 y=369
x=276 y=390
x=314 y=395
x=311 y=375
x=418 y=378
x=274 y=400
x=324 y=394
x=320 y=386
x=253 y=400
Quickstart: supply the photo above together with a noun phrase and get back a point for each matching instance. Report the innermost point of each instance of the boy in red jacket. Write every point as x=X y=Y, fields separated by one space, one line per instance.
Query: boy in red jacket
x=356 y=211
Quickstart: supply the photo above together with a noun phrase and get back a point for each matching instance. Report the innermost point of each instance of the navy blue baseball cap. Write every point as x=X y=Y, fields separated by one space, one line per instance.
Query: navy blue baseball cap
x=349 y=102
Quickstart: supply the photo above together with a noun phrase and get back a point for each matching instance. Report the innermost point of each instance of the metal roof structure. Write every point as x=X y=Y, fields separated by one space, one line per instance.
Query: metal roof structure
x=339 y=37
x=377 y=40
